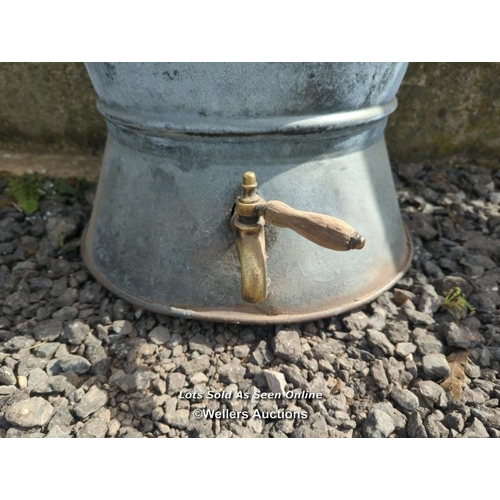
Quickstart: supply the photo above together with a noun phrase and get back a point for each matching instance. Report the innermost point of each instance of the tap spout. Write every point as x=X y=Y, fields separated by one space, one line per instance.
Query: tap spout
x=251 y=250
x=248 y=226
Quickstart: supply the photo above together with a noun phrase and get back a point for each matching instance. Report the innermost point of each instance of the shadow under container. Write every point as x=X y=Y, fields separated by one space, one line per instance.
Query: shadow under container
x=181 y=138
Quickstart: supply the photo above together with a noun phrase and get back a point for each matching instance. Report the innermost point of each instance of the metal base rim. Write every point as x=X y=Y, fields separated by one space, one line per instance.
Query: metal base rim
x=231 y=316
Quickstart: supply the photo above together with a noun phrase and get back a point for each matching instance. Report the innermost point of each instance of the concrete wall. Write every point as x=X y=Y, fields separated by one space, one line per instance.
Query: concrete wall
x=446 y=111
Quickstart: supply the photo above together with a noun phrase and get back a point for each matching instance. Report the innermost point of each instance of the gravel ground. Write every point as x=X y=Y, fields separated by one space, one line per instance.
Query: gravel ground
x=75 y=361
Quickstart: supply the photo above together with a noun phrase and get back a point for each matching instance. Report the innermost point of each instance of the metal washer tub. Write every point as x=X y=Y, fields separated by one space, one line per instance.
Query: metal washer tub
x=181 y=138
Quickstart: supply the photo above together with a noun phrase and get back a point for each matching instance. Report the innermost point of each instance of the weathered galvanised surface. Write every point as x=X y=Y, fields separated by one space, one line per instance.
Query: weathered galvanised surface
x=181 y=136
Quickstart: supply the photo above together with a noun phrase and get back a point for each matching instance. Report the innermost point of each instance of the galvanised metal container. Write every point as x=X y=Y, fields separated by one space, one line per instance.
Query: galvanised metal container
x=173 y=228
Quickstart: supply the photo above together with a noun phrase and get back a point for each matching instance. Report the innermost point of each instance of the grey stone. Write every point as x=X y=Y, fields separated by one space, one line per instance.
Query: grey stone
x=472 y=371
x=415 y=426
x=326 y=366
x=62 y=417
x=5 y=334
x=314 y=427
x=430 y=301
x=201 y=344
x=419 y=318
x=74 y=363
x=262 y=355
x=94 y=399
x=13 y=433
x=94 y=428
x=120 y=309
x=434 y=427
x=287 y=345
x=378 y=318
x=140 y=380
x=232 y=372
x=356 y=321
x=38 y=381
x=405 y=348
x=7 y=376
x=27 y=364
x=336 y=402
x=404 y=398
x=201 y=364
x=33 y=412
x=97 y=356
x=398 y=331
x=61 y=229
x=379 y=375
x=459 y=336
x=378 y=339
x=475 y=397
x=122 y=327
x=16 y=344
x=58 y=383
x=494 y=198
x=59 y=432
x=311 y=364
x=47 y=350
x=198 y=378
x=143 y=407
x=447 y=283
x=66 y=313
x=318 y=384
x=48 y=330
x=130 y=433
x=247 y=335
x=7 y=390
x=432 y=393
x=175 y=340
x=17 y=300
x=68 y=298
x=159 y=335
x=159 y=386
x=76 y=332
x=329 y=350
x=6 y=236
x=177 y=418
x=200 y=427
x=476 y=430
x=490 y=417
x=398 y=418
x=378 y=424
x=241 y=351
x=427 y=344
x=293 y=375
x=421 y=226
x=175 y=382
x=276 y=381
x=113 y=427
x=435 y=366
x=454 y=420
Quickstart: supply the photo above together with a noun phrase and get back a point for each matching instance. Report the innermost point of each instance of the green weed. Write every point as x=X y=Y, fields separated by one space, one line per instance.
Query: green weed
x=457 y=305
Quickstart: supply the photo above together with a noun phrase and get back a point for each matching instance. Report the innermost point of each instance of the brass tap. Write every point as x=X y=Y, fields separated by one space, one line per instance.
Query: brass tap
x=248 y=225
x=248 y=221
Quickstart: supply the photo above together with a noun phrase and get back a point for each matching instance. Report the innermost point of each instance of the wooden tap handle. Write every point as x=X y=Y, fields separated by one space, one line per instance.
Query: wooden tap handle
x=324 y=230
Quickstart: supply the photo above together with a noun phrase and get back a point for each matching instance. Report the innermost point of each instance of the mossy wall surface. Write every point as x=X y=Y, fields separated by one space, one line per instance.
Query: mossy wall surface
x=49 y=107
x=446 y=110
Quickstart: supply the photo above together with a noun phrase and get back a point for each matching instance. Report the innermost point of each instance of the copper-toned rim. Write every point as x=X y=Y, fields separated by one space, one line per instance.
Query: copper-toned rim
x=232 y=316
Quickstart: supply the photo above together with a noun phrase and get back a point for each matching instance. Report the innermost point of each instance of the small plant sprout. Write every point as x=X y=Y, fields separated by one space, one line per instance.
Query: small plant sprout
x=457 y=305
